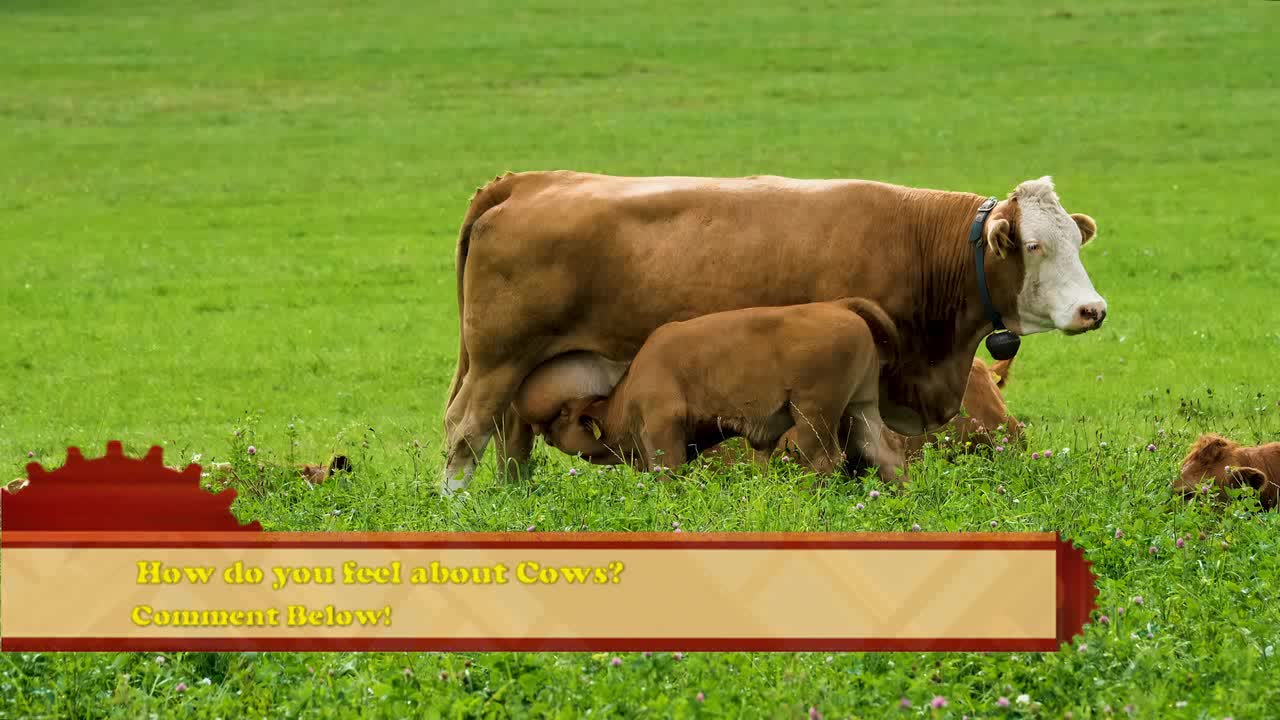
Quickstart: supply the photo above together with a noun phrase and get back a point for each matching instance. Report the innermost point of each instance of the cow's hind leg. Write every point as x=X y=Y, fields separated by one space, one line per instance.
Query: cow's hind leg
x=473 y=418
x=513 y=445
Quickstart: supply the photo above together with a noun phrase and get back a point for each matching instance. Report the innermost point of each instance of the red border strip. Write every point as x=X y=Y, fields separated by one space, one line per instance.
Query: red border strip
x=603 y=545
x=536 y=541
x=104 y=644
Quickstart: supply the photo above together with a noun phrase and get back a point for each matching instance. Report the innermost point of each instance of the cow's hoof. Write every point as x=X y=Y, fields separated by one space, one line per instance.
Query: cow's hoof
x=456 y=480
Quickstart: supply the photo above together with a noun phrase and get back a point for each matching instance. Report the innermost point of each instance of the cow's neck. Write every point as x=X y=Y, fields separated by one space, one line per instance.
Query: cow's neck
x=938 y=312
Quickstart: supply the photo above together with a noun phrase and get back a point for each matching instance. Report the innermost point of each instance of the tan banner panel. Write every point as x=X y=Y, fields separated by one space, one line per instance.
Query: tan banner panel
x=139 y=591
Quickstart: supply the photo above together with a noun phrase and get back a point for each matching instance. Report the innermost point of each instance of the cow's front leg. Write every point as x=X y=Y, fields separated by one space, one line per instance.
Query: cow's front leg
x=513 y=444
x=473 y=418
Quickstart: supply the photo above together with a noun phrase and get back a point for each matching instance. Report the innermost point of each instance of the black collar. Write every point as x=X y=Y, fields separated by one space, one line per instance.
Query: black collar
x=1002 y=344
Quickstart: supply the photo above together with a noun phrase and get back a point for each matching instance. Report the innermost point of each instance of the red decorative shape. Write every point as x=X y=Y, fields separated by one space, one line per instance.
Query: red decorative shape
x=1077 y=591
x=115 y=492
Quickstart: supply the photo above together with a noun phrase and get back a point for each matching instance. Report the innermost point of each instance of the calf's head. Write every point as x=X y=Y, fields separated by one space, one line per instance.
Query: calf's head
x=578 y=430
x=1218 y=463
x=1041 y=273
x=564 y=399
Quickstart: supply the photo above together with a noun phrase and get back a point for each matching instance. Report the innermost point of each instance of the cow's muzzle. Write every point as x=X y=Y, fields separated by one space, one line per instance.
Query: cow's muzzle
x=1087 y=317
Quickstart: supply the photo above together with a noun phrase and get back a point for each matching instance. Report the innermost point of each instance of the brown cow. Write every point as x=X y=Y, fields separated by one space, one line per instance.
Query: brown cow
x=1226 y=464
x=557 y=262
x=751 y=373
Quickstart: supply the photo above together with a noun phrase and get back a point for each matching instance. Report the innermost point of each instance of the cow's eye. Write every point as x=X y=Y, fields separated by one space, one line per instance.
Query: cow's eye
x=1033 y=246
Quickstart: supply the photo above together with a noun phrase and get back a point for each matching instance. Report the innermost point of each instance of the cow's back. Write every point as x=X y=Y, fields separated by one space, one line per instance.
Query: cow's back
x=597 y=262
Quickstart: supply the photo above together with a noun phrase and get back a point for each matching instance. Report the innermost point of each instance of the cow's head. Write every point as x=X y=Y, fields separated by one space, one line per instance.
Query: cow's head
x=1040 y=243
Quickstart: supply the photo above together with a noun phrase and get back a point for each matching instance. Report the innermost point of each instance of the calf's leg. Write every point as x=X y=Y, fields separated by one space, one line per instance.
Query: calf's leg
x=867 y=439
x=817 y=437
x=659 y=426
x=665 y=443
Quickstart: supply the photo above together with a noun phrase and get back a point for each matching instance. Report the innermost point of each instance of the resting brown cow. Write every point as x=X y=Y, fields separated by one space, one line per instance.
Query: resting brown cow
x=751 y=373
x=1220 y=463
x=984 y=417
x=557 y=262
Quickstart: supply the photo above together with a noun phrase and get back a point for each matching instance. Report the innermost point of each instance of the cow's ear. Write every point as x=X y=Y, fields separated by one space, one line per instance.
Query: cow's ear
x=999 y=239
x=1088 y=227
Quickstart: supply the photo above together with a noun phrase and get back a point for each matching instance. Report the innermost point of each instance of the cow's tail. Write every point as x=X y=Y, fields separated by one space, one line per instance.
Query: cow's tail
x=882 y=327
x=486 y=198
x=1001 y=371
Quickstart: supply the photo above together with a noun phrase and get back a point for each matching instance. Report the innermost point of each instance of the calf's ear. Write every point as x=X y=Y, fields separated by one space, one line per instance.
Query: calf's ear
x=597 y=409
x=1252 y=477
x=594 y=407
x=998 y=238
x=1000 y=372
x=1268 y=492
x=1088 y=227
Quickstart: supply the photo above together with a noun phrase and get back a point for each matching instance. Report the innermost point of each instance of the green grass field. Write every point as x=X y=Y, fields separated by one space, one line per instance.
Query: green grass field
x=238 y=215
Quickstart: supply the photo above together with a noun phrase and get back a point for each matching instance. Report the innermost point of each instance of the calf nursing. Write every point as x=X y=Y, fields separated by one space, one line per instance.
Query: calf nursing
x=555 y=262
x=984 y=420
x=755 y=373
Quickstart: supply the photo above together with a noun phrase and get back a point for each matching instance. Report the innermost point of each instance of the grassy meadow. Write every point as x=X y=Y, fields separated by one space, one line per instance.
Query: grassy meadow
x=241 y=217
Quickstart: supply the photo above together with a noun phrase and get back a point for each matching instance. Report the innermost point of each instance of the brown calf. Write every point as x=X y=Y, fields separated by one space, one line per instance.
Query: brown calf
x=983 y=411
x=316 y=474
x=1226 y=464
x=755 y=373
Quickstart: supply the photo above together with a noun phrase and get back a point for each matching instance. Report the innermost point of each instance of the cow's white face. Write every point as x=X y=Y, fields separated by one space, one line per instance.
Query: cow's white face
x=1056 y=291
